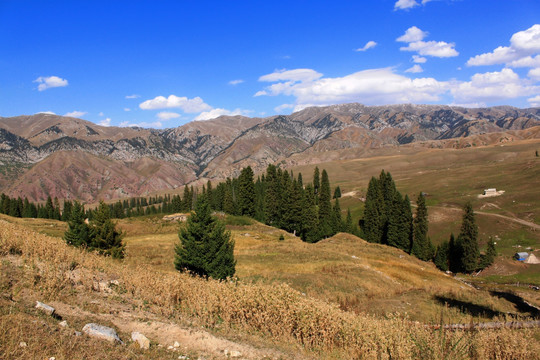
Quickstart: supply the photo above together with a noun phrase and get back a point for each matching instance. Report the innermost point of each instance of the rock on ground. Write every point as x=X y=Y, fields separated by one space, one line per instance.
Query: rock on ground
x=49 y=310
x=101 y=332
x=142 y=340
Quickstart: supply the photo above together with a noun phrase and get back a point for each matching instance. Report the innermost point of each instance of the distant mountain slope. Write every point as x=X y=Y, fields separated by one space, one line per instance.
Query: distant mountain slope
x=217 y=148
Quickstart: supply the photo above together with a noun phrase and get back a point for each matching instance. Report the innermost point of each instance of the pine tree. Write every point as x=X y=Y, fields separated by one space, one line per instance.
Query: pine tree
x=272 y=197
x=228 y=200
x=373 y=225
x=310 y=225
x=316 y=181
x=205 y=248
x=490 y=255
x=78 y=233
x=49 y=207
x=468 y=241
x=66 y=211
x=337 y=193
x=442 y=256
x=337 y=221
x=349 y=226
x=107 y=240
x=56 y=213
x=399 y=223
x=292 y=210
x=420 y=244
x=246 y=193
x=325 y=207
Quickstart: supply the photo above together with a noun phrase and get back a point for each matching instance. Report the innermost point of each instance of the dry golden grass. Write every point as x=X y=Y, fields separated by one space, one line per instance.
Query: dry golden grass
x=274 y=312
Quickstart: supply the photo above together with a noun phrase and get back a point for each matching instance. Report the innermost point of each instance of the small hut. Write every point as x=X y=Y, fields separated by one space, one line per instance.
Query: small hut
x=521 y=256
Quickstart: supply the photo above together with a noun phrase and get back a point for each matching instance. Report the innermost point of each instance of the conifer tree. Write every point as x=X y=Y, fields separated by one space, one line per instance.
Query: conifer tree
x=349 y=226
x=420 y=244
x=292 y=210
x=337 y=221
x=399 y=223
x=205 y=248
x=325 y=207
x=107 y=240
x=272 y=197
x=337 y=193
x=442 y=255
x=489 y=257
x=467 y=241
x=78 y=233
x=246 y=192
x=66 y=211
x=56 y=213
x=49 y=207
x=310 y=225
x=316 y=181
x=228 y=200
x=373 y=225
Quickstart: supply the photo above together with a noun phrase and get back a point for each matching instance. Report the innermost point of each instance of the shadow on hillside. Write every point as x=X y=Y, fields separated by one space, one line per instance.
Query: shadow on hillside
x=468 y=307
x=519 y=302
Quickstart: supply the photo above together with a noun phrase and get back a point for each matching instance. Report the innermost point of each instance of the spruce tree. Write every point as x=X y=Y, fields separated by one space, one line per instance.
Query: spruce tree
x=420 y=244
x=442 y=256
x=337 y=193
x=316 y=181
x=292 y=210
x=246 y=193
x=325 y=207
x=49 y=207
x=468 y=241
x=272 y=196
x=491 y=253
x=348 y=226
x=310 y=223
x=399 y=223
x=373 y=225
x=78 y=234
x=205 y=248
x=106 y=240
x=337 y=221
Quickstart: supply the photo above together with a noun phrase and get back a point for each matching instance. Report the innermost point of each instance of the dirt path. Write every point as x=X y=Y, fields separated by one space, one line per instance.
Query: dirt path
x=166 y=333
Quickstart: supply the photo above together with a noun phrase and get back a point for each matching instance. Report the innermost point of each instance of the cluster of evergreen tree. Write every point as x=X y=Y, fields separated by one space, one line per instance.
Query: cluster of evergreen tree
x=280 y=199
x=388 y=218
x=17 y=207
x=463 y=254
x=100 y=234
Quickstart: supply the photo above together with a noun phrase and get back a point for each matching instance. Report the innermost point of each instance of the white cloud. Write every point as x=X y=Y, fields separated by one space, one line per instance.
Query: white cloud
x=369 y=45
x=291 y=75
x=236 y=82
x=101 y=113
x=375 y=86
x=522 y=45
x=47 y=82
x=214 y=113
x=415 y=69
x=493 y=86
x=46 y=113
x=527 y=61
x=418 y=59
x=166 y=115
x=405 y=4
x=282 y=107
x=470 y=105
x=534 y=74
x=412 y=34
x=127 y=109
x=194 y=105
x=76 y=114
x=152 y=125
x=105 y=122
x=534 y=101
x=134 y=96
x=439 y=49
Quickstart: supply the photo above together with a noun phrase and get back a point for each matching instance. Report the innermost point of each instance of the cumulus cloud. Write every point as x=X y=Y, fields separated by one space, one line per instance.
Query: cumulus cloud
x=47 y=82
x=415 y=69
x=105 y=122
x=418 y=59
x=534 y=74
x=369 y=45
x=166 y=115
x=414 y=37
x=493 y=86
x=375 y=86
x=152 y=125
x=412 y=34
x=134 y=96
x=194 y=105
x=76 y=114
x=127 y=109
x=405 y=4
x=534 y=101
x=236 y=82
x=523 y=44
x=46 y=112
x=214 y=113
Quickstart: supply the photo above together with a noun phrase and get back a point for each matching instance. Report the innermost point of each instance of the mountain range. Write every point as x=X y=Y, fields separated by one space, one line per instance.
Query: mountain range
x=48 y=155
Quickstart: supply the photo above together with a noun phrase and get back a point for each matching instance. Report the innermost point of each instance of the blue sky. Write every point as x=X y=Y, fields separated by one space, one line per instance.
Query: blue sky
x=164 y=63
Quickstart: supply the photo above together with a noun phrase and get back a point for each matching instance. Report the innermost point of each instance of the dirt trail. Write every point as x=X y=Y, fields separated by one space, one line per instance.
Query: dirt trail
x=167 y=333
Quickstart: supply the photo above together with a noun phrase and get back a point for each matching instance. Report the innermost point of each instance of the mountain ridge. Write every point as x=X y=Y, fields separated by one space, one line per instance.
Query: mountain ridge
x=218 y=148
